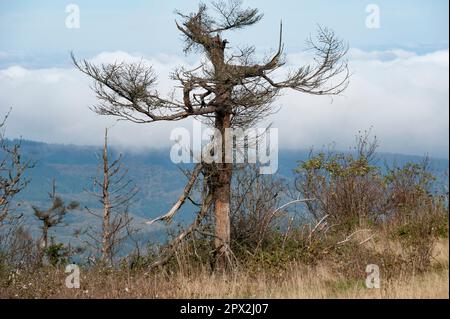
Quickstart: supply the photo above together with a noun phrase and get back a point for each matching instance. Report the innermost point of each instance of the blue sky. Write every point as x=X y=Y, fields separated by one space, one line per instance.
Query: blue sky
x=399 y=87
x=35 y=30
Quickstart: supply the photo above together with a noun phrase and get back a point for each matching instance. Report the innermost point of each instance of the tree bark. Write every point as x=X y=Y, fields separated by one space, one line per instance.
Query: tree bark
x=222 y=173
x=106 y=245
x=43 y=243
x=221 y=197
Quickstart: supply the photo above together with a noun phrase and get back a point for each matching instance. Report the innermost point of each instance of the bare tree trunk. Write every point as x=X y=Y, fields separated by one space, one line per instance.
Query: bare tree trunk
x=221 y=195
x=43 y=243
x=106 y=233
x=221 y=192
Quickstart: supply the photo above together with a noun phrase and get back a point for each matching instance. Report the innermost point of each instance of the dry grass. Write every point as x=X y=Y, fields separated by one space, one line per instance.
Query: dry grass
x=296 y=282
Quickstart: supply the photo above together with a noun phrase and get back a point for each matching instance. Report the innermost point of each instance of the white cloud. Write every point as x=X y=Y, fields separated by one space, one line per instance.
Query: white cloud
x=387 y=55
x=404 y=99
x=402 y=95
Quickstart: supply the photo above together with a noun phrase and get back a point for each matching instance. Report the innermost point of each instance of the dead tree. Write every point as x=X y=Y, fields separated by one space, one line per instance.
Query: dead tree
x=51 y=217
x=115 y=192
x=12 y=170
x=227 y=90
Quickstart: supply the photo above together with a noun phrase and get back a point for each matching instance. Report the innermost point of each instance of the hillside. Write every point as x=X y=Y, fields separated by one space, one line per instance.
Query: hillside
x=159 y=180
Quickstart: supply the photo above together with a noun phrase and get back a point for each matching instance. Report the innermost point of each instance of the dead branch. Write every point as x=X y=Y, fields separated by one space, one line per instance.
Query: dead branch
x=349 y=237
x=173 y=245
x=319 y=223
x=186 y=192
x=115 y=193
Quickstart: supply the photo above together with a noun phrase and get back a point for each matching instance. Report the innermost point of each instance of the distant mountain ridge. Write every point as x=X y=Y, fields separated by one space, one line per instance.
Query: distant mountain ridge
x=159 y=180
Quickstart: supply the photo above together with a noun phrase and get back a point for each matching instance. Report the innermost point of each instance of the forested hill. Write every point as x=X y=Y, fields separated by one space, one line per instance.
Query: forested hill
x=159 y=180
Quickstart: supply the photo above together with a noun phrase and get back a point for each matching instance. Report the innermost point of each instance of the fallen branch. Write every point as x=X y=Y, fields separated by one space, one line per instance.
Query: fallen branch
x=172 y=246
x=317 y=225
x=273 y=214
x=293 y=202
x=187 y=190
x=351 y=236
x=366 y=240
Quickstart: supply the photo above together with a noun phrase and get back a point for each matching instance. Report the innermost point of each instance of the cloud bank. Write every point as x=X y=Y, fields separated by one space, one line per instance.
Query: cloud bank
x=403 y=97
